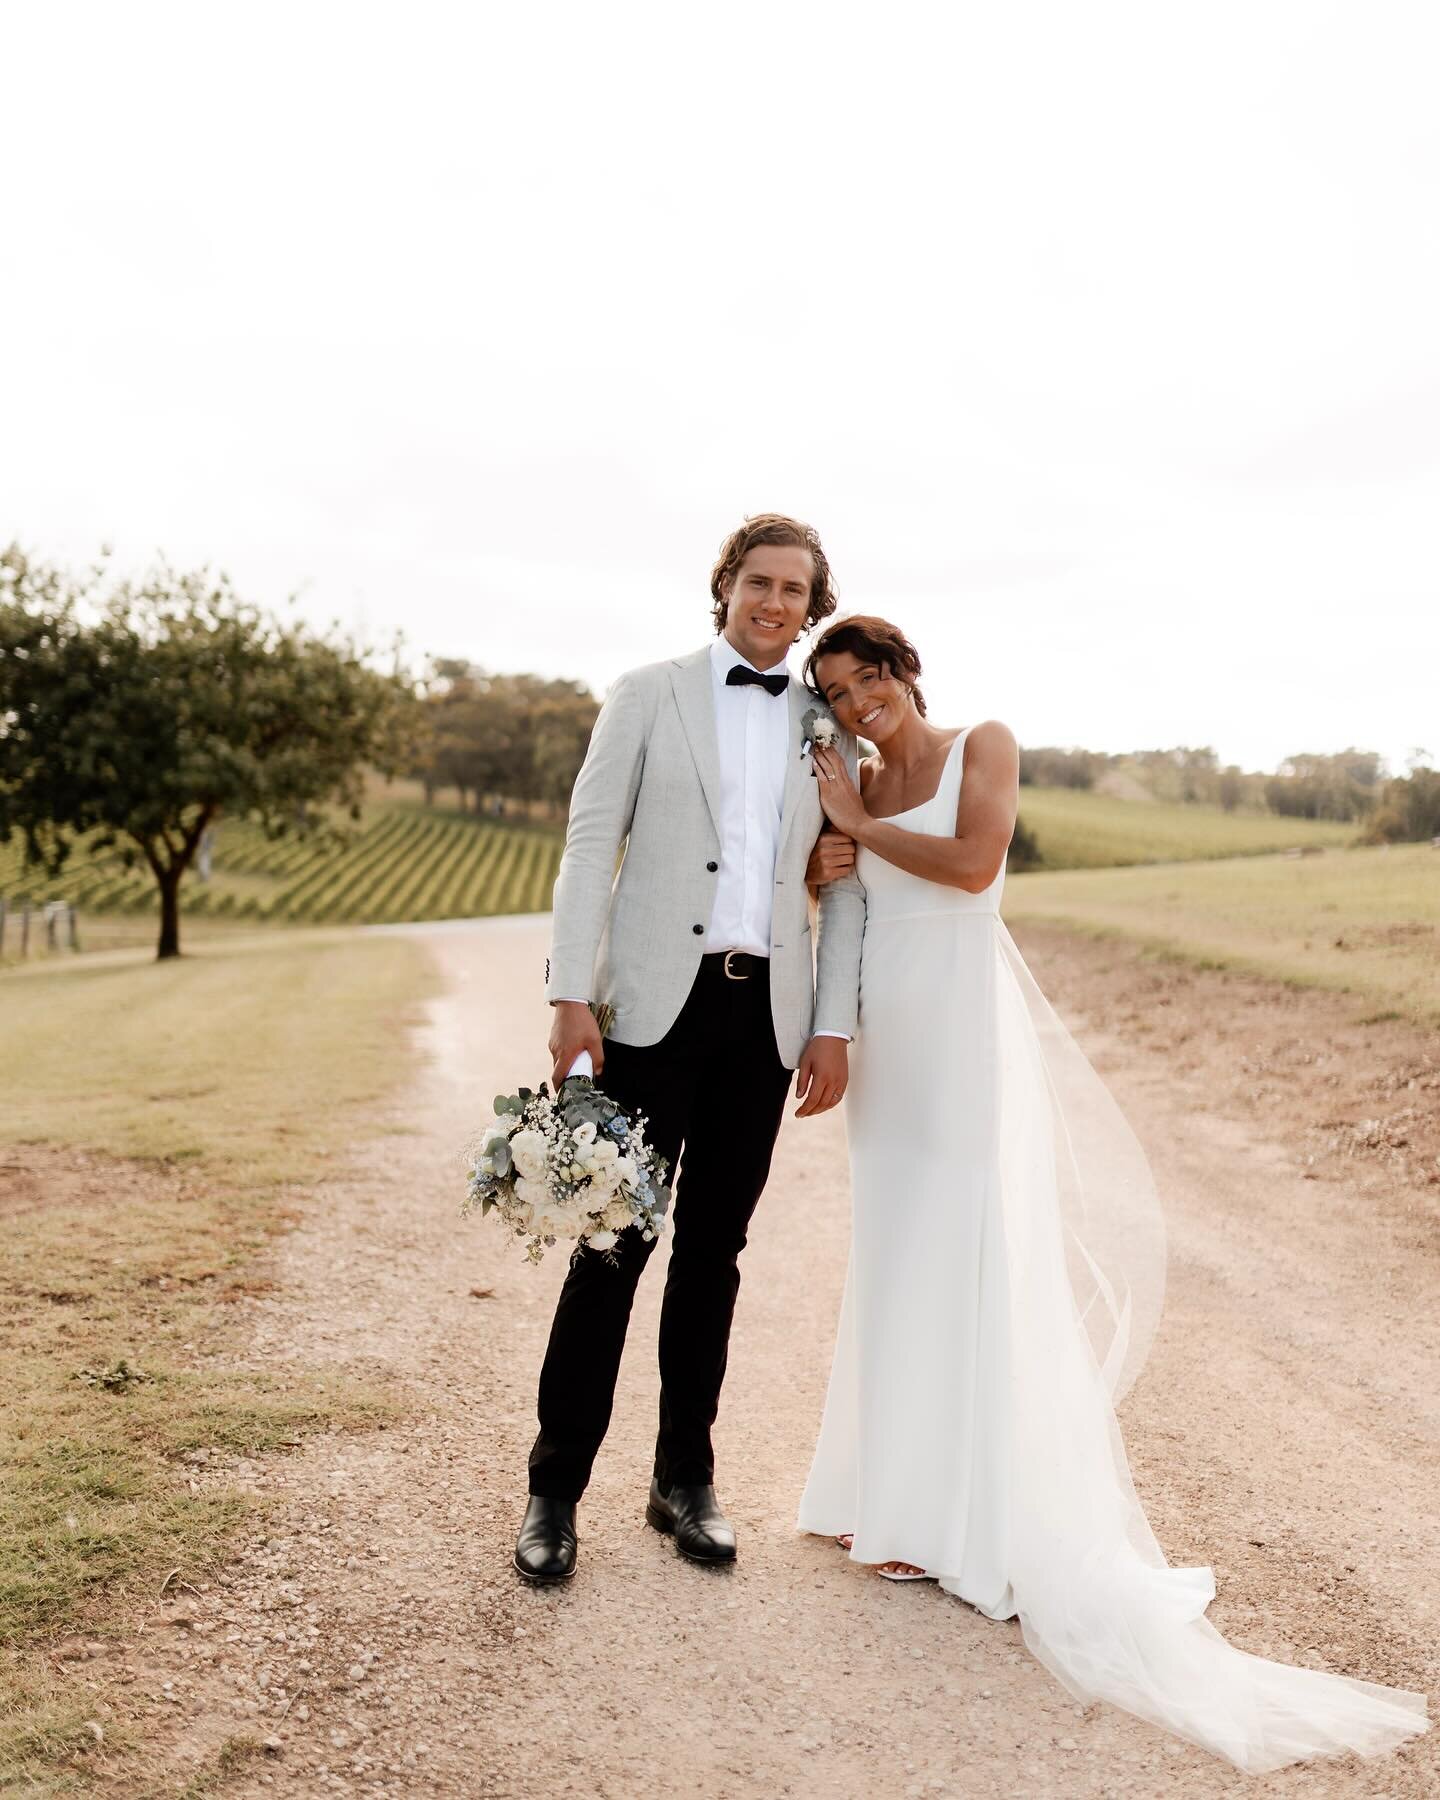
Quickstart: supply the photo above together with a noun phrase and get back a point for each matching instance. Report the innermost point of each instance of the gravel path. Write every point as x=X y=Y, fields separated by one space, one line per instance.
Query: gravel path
x=1285 y=1431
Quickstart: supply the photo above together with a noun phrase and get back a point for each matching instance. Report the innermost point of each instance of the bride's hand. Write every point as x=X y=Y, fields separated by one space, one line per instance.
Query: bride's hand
x=838 y=793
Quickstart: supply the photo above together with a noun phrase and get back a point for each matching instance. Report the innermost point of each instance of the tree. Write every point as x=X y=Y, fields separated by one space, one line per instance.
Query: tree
x=1047 y=767
x=511 y=737
x=1409 y=809
x=1232 y=787
x=1024 y=852
x=1186 y=773
x=1343 y=786
x=141 y=713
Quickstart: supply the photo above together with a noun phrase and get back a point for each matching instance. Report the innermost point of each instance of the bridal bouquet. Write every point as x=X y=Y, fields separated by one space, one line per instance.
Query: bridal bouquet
x=569 y=1165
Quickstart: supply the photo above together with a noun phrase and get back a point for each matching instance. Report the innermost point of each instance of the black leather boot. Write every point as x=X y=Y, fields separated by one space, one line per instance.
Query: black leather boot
x=693 y=1515
x=545 y=1549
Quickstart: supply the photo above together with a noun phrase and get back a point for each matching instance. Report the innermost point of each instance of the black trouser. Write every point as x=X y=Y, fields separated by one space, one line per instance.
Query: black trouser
x=715 y=1085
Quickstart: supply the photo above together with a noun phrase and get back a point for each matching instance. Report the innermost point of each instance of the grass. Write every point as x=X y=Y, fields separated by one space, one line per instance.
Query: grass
x=238 y=1057
x=1364 y=921
x=1077 y=829
x=204 y=1092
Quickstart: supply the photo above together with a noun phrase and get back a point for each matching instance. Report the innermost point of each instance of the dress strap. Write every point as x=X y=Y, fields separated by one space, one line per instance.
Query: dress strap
x=947 y=797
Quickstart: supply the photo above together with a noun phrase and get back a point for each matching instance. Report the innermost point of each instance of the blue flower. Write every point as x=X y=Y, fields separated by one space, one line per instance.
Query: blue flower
x=619 y=1126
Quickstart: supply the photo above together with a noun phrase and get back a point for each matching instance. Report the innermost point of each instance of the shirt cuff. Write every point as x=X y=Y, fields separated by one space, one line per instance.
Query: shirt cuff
x=844 y=1036
x=574 y=999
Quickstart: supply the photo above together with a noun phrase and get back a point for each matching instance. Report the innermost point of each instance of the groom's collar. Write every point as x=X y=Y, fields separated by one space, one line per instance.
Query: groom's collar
x=725 y=657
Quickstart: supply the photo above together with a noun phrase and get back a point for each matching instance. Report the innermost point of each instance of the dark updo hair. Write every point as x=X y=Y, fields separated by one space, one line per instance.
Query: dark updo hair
x=869 y=640
x=773 y=528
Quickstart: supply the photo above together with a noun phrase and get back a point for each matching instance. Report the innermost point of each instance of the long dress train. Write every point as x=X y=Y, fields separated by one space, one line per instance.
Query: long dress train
x=1005 y=1279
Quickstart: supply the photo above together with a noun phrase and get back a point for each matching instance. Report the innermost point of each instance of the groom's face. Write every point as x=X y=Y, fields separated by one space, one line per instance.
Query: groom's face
x=768 y=601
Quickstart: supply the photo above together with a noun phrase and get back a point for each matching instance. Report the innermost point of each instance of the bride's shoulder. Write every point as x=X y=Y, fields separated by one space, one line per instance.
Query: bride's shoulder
x=992 y=740
x=868 y=766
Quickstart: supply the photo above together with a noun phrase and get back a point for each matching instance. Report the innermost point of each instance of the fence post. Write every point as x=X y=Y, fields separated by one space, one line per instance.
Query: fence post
x=51 y=909
x=25 y=929
x=74 y=927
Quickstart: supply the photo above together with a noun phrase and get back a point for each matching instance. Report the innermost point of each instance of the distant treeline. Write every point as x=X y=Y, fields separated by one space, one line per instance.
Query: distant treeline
x=1182 y=774
x=507 y=743
x=1348 y=786
x=503 y=742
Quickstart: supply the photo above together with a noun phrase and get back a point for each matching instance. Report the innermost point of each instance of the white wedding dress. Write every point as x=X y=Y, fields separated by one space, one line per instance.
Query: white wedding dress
x=1005 y=1279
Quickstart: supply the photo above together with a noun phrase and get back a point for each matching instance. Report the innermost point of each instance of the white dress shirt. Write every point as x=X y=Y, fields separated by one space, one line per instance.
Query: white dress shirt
x=753 y=729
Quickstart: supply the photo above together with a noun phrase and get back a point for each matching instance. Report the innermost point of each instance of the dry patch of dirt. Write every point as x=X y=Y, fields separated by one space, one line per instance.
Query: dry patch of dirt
x=1353 y=1095
x=35 y=1176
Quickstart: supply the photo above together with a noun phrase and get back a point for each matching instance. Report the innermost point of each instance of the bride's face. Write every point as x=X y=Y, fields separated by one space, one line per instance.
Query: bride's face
x=865 y=697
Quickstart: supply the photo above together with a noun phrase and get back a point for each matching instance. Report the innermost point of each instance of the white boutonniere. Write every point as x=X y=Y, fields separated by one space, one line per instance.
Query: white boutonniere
x=817 y=727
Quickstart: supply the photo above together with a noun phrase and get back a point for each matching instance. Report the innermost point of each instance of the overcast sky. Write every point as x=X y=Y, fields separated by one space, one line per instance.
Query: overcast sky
x=1099 y=342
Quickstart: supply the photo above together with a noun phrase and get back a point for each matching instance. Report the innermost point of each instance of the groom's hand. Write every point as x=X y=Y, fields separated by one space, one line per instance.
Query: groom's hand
x=572 y=1030
x=832 y=858
x=821 y=1079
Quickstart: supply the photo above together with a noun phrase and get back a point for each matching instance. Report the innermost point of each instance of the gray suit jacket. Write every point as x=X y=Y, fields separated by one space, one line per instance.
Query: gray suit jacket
x=651 y=782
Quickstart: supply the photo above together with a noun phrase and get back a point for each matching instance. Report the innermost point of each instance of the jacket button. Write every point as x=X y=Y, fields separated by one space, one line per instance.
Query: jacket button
x=699 y=930
x=712 y=867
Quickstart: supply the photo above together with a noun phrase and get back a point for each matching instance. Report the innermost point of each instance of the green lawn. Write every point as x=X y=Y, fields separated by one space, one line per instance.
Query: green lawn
x=1077 y=829
x=1363 y=921
x=227 y=1081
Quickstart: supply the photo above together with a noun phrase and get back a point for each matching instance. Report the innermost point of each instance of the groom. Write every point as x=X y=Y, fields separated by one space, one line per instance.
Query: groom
x=702 y=945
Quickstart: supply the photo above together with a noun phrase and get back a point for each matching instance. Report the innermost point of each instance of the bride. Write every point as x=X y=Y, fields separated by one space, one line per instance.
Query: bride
x=1006 y=1266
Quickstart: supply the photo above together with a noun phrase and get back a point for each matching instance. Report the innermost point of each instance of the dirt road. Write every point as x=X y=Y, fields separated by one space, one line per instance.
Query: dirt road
x=1287 y=1431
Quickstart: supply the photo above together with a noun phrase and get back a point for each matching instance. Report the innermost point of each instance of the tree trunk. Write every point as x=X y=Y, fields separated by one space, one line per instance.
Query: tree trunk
x=169 y=915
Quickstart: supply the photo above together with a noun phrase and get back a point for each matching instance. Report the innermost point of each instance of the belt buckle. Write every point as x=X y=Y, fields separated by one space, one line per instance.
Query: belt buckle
x=729 y=974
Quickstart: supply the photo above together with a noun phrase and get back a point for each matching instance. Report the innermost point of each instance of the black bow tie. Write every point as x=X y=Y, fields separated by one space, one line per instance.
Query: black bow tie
x=741 y=676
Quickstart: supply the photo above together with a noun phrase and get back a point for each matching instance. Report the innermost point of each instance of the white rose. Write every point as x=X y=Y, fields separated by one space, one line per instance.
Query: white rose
x=625 y=1170
x=603 y=1153
x=824 y=731
x=559 y=1221
x=602 y=1240
x=520 y=1208
x=527 y=1149
x=603 y=1183
x=584 y=1134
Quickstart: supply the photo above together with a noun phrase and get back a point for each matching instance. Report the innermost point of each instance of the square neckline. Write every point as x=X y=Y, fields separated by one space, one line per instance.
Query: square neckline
x=904 y=813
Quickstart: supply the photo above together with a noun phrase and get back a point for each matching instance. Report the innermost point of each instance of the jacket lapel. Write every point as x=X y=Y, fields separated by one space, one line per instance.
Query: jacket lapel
x=691 y=678
x=797 y=769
